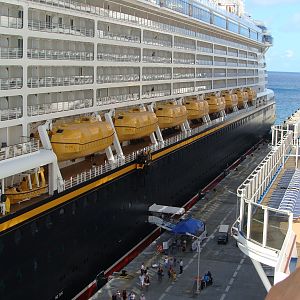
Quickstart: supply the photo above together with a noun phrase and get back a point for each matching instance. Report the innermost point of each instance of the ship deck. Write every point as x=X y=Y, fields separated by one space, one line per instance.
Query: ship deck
x=230 y=269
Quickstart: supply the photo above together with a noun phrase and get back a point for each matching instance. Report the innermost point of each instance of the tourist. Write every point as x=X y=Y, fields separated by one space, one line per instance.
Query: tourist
x=180 y=266
x=147 y=282
x=124 y=295
x=131 y=296
x=142 y=280
x=142 y=269
x=166 y=262
x=160 y=273
x=142 y=297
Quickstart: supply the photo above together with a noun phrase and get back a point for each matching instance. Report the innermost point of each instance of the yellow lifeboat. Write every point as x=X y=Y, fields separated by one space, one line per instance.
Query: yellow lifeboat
x=170 y=115
x=252 y=95
x=242 y=98
x=28 y=188
x=231 y=100
x=83 y=137
x=216 y=104
x=196 y=109
x=135 y=124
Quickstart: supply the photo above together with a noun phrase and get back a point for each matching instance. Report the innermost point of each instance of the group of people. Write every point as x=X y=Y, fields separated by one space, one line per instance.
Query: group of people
x=170 y=264
x=144 y=277
x=124 y=296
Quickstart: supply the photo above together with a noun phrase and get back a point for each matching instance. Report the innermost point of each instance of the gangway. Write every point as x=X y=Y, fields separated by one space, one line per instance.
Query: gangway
x=264 y=229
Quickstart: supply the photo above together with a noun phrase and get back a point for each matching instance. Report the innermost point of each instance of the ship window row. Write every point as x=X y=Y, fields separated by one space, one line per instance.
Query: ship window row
x=129 y=14
x=65 y=24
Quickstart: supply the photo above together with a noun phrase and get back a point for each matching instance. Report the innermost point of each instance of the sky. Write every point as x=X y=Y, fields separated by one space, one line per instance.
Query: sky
x=282 y=17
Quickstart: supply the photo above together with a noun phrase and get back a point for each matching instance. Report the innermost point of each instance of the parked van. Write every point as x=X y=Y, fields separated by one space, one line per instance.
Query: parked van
x=223 y=234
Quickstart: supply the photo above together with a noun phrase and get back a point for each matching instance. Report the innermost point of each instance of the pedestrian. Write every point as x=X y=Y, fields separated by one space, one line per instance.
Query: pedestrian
x=166 y=262
x=142 y=297
x=160 y=273
x=169 y=272
x=146 y=271
x=142 y=269
x=147 y=282
x=142 y=280
x=131 y=296
x=171 y=262
x=114 y=296
x=118 y=295
x=174 y=261
x=180 y=266
x=124 y=295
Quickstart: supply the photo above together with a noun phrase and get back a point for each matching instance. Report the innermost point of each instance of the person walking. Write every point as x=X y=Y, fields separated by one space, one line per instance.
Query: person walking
x=142 y=269
x=124 y=295
x=142 y=280
x=142 y=297
x=131 y=296
x=118 y=295
x=166 y=262
x=160 y=273
x=180 y=266
x=147 y=282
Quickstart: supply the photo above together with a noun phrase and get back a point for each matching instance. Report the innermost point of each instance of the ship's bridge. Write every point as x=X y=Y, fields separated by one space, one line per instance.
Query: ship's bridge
x=267 y=229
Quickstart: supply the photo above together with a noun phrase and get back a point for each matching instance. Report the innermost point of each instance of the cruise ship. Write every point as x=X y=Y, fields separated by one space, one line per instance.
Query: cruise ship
x=107 y=107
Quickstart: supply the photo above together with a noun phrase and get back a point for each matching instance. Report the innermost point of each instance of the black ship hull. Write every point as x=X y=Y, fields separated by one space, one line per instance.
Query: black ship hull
x=57 y=253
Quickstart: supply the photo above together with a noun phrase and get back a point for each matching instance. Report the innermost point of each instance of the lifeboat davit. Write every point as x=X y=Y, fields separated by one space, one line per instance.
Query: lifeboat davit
x=170 y=115
x=83 y=137
x=231 y=100
x=216 y=104
x=242 y=98
x=252 y=95
x=31 y=186
x=196 y=109
x=135 y=124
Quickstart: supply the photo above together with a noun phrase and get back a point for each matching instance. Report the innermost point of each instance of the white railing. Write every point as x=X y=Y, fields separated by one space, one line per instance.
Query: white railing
x=183 y=90
x=184 y=61
x=117 y=78
x=10 y=114
x=60 y=28
x=11 y=22
x=104 y=100
x=118 y=37
x=154 y=94
x=157 y=59
x=108 y=166
x=183 y=75
x=157 y=42
x=47 y=108
x=204 y=62
x=148 y=77
x=7 y=52
x=48 y=81
x=118 y=57
x=19 y=149
x=204 y=49
x=184 y=46
x=60 y=54
x=11 y=83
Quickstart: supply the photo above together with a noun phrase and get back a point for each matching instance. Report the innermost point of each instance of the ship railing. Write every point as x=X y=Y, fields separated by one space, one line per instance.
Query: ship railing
x=11 y=83
x=204 y=62
x=104 y=100
x=118 y=78
x=149 y=77
x=232 y=64
x=11 y=22
x=133 y=19
x=154 y=94
x=19 y=149
x=183 y=76
x=204 y=49
x=222 y=52
x=183 y=90
x=157 y=42
x=183 y=61
x=157 y=59
x=37 y=25
x=185 y=46
x=47 y=108
x=118 y=37
x=8 y=52
x=60 y=54
x=203 y=75
x=48 y=81
x=232 y=54
x=11 y=114
x=118 y=57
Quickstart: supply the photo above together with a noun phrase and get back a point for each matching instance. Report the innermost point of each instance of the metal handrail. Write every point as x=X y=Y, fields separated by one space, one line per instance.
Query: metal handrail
x=11 y=83
x=50 y=81
x=8 y=52
x=19 y=149
x=10 y=114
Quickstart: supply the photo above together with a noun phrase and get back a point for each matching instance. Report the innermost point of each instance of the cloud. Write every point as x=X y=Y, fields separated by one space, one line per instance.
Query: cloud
x=289 y=54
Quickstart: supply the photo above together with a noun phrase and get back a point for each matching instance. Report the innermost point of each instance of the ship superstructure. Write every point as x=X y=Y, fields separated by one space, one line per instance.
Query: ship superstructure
x=97 y=97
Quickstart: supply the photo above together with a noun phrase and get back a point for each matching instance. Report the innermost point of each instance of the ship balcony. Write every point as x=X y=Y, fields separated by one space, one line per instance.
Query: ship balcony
x=105 y=100
x=11 y=22
x=47 y=108
x=220 y=74
x=204 y=75
x=221 y=52
x=11 y=53
x=19 y=149
x=157 y=42
x=204 y=49
x=183 y=90
x=118 y=57
x=11 y=83
x=36 y=25
x=220 y=63
x=232 y=64
x=149 y=77
x=157 y=59
x=11 y=114
x=51 y=81
x=156 y=94
x=118 y=78
x=183 y=75
x=204 y=62
x=50 y=54
x=184 y=46
x=184 y=61
x=119 y=36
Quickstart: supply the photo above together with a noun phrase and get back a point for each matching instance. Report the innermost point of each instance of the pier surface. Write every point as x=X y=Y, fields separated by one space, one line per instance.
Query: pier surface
x=233 y=273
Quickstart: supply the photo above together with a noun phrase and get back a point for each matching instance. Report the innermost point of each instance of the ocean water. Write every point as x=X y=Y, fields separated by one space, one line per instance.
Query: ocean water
x=287 y=93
